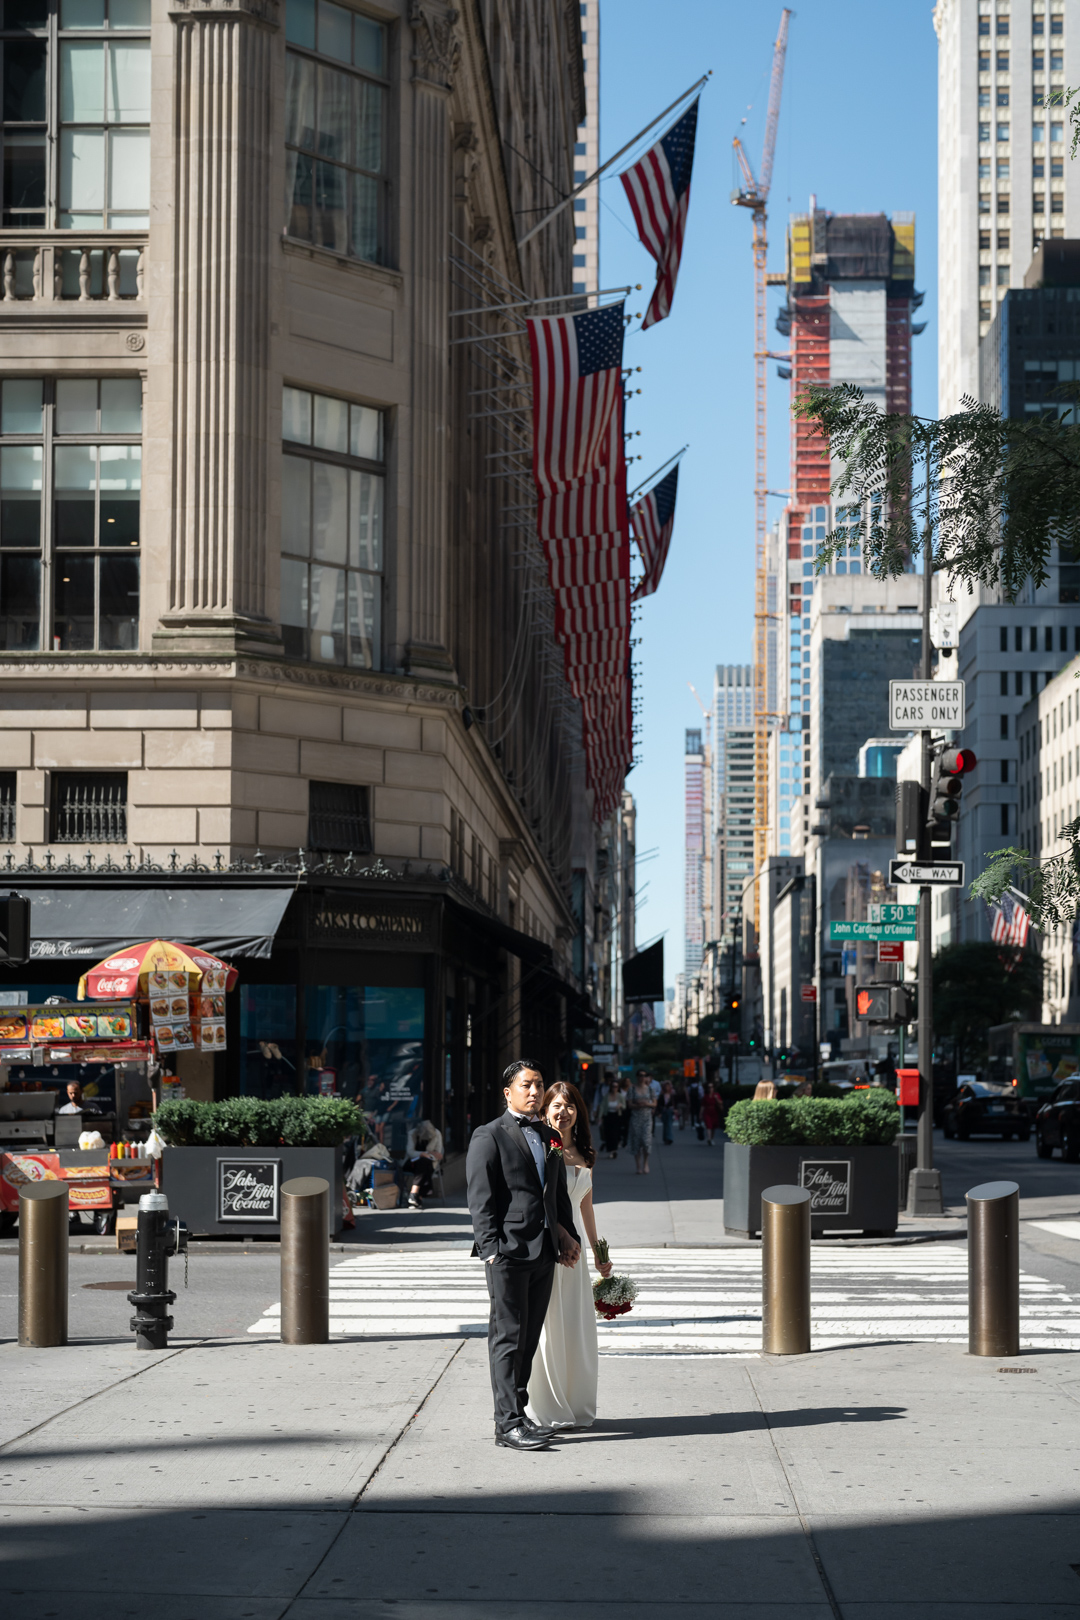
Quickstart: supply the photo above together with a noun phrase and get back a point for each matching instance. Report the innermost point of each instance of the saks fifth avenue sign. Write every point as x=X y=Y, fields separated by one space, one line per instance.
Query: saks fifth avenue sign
x=248 y=1189
x=359 y=922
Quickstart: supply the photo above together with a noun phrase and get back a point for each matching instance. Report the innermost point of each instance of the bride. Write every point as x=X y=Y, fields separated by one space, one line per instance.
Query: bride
x=562 y=1389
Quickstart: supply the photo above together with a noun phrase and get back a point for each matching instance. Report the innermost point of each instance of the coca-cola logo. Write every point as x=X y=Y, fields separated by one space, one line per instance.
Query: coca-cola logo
x=122 y=964
x=114 y=987
x=248 y=1189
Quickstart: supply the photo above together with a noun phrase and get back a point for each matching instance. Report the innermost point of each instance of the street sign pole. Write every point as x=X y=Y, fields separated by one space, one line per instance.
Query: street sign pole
x=924 y=1184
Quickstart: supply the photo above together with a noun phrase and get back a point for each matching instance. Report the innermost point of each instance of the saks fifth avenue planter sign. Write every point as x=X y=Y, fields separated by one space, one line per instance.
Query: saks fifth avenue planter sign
x=829 y=1183
x=930 y=705
x=248 y=1189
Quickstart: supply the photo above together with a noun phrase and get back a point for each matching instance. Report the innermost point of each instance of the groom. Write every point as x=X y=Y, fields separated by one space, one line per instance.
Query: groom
x=523 y=1223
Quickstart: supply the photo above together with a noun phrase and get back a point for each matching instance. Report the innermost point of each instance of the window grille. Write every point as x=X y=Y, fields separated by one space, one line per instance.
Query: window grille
x=89 y=807
x=7 y=807
x=339 y=818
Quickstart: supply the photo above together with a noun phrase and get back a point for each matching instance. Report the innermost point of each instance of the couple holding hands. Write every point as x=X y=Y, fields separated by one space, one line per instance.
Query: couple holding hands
x=530 y=1196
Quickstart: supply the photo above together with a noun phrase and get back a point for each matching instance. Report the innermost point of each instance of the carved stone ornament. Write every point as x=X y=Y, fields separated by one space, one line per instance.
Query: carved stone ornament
x=260 y=11
x=436 y=47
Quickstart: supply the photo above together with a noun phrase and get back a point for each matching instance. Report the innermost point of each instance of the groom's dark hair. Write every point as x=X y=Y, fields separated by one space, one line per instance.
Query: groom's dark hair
x=516 y=1067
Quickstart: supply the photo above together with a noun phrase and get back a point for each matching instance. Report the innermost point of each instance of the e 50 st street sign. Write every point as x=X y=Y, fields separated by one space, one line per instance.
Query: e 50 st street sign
x=926 y=705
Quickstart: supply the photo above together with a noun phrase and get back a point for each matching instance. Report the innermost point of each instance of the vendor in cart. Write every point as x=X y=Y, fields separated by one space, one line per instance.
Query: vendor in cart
x=76 y=1102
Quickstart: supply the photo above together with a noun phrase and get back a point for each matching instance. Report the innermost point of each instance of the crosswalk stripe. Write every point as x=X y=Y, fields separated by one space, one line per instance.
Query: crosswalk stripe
x=699 y=1301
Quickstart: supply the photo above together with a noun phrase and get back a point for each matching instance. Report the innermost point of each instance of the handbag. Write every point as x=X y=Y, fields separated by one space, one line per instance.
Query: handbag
x=700 y=1132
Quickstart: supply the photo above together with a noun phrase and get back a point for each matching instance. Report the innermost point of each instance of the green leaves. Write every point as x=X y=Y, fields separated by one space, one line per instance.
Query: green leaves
x=1051 y=889
x=988 y=497
x=259 y=1122
x=863 y=1118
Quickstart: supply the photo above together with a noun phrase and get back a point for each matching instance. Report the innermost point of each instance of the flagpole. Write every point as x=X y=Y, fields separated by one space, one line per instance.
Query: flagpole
x=620 y=153
x=658 y=471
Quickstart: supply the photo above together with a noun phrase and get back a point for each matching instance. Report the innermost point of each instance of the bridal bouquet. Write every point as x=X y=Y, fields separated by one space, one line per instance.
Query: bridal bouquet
x=612 y=1296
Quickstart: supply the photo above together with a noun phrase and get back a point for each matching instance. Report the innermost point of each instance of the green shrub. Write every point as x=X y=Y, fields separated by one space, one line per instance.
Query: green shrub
x=861 y=1119
x=760 y=1124
x=258 y=1122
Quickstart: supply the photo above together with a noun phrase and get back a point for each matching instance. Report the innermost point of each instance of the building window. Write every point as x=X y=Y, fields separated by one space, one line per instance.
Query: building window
x=1019 y=683
x=1038 y=169
x=1003 y=28
x=984 y=61
x=1038 y=25
x=1002 y=204
x=1057 y=203
x=339 y=818
x=984 y=168
x=76 y=115
x=1004 y=822
x=1004 y=684
x=1004 y=725
x=1003 y=132
x=984 y=275
x=984 y=25
x=332 y=530
x=1057 y=168
x=1003 y=98
x=70 y=486
x=1003 y=275
x=1057 y=25
x=7 y=807
x=1069 y=584
x=1003 y=241
x=1038 y=202
x=88 y=807
x=984 y=241
x=336 y=92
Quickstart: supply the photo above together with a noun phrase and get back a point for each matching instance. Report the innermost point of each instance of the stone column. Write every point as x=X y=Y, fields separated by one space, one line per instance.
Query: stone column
x=435 y=55
x=224 y=213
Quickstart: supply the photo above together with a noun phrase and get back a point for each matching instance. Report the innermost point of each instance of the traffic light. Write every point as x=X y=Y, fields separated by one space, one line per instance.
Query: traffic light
x=884 y=1003
x=910 y=818
x=734 y=1016
x=946 y=785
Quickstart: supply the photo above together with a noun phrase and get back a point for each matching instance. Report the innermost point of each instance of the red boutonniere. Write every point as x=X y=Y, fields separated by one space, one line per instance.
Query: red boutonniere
x=555 y=1146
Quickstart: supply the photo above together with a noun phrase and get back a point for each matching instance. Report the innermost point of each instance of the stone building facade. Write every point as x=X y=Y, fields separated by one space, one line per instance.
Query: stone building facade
x=259 y=590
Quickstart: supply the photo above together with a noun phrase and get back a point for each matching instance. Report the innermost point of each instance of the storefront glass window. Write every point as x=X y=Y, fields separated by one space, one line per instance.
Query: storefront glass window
x=267 y=1040
x=394 y=1062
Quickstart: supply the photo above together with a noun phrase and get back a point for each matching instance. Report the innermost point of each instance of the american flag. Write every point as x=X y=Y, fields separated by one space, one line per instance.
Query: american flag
x=577 y=384
x=653 y=519
x=1010 y=922
x=579 y=467
x=658 y=189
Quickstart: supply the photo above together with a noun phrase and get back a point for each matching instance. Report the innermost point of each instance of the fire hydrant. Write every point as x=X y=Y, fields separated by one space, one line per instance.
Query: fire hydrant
x=156 y=1239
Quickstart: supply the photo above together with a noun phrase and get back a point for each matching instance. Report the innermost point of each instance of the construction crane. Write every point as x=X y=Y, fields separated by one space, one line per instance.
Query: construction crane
x=753 y=193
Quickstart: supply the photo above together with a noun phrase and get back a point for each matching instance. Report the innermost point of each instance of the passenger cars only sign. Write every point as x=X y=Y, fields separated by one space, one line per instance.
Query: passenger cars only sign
x=931 y=705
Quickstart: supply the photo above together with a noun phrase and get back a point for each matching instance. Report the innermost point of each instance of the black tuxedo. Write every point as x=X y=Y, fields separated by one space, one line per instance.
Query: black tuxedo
x=515 y=1224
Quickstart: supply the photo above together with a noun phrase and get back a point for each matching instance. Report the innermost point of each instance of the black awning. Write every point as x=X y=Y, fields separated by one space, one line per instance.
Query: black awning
x=97 y=921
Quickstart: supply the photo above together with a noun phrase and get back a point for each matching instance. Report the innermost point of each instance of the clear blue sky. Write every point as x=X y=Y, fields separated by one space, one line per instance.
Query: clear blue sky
x=858 y=128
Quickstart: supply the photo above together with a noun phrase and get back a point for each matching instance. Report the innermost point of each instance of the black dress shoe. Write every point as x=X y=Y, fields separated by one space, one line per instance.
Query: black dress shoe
x=538 y=1428
x=522 y=1439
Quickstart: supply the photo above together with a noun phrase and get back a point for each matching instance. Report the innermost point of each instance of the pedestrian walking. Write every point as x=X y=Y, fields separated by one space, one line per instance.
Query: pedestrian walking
x=642 y=1109
x=665 y=1108
x=765 y=1091
x=613 y=1107
x=712 y=1112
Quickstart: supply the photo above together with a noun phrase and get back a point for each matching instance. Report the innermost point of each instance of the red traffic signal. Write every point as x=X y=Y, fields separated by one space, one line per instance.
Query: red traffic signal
x=957 y=761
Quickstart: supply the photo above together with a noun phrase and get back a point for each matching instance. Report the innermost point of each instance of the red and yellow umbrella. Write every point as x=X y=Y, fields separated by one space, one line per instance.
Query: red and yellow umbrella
x=126 y=972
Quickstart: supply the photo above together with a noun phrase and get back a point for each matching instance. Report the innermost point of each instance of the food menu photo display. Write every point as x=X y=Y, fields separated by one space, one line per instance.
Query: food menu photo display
x=186 y=1016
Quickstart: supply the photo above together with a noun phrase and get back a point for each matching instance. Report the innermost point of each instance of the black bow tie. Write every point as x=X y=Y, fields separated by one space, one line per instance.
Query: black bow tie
x=527 y=1119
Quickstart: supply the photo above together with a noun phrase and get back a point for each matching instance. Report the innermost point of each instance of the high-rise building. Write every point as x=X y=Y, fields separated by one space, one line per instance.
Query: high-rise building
x=694 y=879
x=735 y=840
x=1004 y=178
x=850 y=299
x=587 y=157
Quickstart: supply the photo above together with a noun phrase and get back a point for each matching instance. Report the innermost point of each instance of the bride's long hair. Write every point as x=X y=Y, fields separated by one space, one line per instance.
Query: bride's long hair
x=581 y=1135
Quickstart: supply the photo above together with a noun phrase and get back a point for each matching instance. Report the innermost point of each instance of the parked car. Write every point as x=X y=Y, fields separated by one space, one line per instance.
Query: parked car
x=978 y=1109
x=1057 y=1124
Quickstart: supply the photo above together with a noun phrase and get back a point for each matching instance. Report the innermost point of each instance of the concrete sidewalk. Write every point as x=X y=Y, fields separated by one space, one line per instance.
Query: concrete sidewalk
x=254 y=1481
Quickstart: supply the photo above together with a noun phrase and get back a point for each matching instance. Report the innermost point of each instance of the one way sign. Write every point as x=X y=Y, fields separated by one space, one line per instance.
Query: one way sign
x=948 y=874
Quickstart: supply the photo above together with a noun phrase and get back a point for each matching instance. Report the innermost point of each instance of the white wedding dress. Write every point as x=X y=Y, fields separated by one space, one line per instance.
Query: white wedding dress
x=562 y=1388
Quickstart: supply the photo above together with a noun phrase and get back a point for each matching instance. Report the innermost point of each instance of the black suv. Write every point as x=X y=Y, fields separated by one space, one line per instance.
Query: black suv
x=979 y=1109
x=1057 y=1124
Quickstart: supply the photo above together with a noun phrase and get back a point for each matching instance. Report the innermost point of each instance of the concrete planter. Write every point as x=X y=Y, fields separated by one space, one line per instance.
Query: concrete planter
x=856 y=1188
x=235 y=1191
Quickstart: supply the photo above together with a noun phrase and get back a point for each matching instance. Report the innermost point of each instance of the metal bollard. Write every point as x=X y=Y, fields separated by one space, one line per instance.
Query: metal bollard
x=157 y=1237
x=305 y=1261
x=785 y=1271
x=43 y=1264
x=994 y=1269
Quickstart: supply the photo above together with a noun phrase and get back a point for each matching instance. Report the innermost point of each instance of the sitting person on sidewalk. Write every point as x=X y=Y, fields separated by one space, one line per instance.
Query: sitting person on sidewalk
x=427 y=1152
